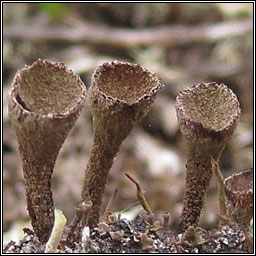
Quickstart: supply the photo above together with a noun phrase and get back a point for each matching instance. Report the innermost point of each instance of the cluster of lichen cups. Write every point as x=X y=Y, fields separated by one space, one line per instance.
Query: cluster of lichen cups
x=44 y=103
x=47 y=98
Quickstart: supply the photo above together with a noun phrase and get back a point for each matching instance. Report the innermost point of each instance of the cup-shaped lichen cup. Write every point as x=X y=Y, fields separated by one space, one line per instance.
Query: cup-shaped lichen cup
x=208 y=114
x=239 y=193
x=44 y=102
x=120 y=95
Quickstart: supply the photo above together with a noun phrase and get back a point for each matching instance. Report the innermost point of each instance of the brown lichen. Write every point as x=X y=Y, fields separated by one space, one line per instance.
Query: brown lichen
x=239 y=192
x=45 y=100
x=208 y=114
x=120 y=95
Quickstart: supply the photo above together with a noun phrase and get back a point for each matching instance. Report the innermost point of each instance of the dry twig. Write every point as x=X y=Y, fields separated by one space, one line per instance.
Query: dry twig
x=249 y=241
x=166 y=222
x=221 y=189
x=140 y=194
x=109 y=207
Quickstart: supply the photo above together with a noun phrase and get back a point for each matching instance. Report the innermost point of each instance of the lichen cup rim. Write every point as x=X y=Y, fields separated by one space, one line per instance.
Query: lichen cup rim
x=28 y=112
x=195 y=119
x=132 y=69
x=239 y=187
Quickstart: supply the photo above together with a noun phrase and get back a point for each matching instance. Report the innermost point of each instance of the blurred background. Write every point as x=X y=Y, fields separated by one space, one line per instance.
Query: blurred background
x=184 y=43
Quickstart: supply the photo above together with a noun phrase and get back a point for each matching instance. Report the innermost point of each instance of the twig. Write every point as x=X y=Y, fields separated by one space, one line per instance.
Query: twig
x=140 y=194
x=162 y=35
x=129 y=206
x=224 y=219
x=221 y=188
x=109 y=207
x=178 y=248
x=249 y=241
x=166 y=222
x=59 y=224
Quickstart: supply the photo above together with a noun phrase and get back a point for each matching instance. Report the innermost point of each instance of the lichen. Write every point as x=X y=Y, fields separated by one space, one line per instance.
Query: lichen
x=44 y=103
x=208 y=114
x=120 y=95
x=239 y=191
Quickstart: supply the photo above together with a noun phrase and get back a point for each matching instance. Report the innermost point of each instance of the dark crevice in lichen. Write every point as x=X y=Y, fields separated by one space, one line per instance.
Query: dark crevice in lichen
x=22 y=103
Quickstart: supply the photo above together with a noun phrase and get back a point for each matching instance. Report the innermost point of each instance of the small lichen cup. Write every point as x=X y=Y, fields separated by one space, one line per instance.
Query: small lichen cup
x=44 y=102
x=208 y=114
x=239 y=193
x=121 y=94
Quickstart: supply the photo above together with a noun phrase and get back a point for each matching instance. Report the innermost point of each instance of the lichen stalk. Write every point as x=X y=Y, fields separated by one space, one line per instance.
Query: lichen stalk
x=120 y=95
x=100 y=161
x=45 y=100
x=195 y=195
x=208 y=114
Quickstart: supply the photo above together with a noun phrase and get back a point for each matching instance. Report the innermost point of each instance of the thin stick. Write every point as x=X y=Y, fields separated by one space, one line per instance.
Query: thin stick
x=140 y=194
x=249 y=241
x=224 y=219
x=178 y=248
x=221 y=187
x=129 y=206
x=59 y=224
x=109 y=207
x=166 y=222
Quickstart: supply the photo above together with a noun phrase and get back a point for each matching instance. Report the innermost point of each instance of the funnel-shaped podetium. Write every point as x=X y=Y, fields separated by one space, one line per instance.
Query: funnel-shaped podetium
x=239 y=193
x=120 y=95
x=208 y=114
x=44 y=103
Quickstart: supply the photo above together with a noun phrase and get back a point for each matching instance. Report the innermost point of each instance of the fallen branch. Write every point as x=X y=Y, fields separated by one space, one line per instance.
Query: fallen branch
x=162 y=35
